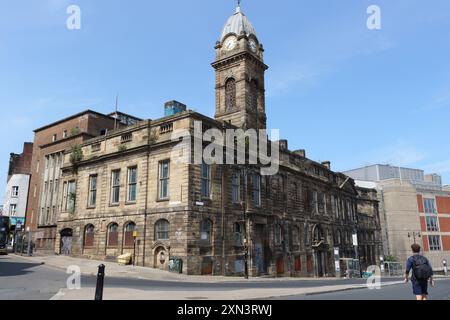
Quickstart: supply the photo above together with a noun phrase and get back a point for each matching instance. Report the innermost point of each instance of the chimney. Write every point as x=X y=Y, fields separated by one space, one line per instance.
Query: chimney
x=283 y=144
x=327 y=164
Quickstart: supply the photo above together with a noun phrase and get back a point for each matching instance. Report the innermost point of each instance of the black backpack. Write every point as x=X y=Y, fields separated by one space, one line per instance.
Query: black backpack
x=421 y=268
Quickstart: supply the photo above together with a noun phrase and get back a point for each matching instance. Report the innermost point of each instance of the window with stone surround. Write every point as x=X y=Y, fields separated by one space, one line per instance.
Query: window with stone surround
x=432 y=224
x=206 y=180
x=92 y=202
x=434 y=243
x=206 y=230
x=132 y=184
x=71 y=196
x=115 y=187
x=429 y=205
x=162 y=229
x=164 y=176
x=238 y=234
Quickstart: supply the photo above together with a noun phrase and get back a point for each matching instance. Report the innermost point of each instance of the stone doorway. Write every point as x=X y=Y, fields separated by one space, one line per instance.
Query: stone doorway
x=320 y=249
x=66 y=242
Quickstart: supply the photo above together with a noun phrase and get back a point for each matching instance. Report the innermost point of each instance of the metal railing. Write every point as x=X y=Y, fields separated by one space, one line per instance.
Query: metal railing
x=393 y=269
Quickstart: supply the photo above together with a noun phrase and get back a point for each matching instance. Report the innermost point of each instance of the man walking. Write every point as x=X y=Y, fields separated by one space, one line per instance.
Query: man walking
x=422 y=272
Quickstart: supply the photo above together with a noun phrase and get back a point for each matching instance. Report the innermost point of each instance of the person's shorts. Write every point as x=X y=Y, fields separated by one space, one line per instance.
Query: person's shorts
x=420 y=287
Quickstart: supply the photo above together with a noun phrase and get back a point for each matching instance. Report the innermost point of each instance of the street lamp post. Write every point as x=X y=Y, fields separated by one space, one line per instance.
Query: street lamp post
x=244 y=172
x=444 y=263
x=414 y=235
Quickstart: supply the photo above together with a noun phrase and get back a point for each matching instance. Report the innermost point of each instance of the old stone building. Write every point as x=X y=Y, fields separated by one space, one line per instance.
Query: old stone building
x=50 y=142
x=128 y=193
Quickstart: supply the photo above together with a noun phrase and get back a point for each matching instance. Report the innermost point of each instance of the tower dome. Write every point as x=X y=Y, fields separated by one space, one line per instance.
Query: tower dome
x=237 y=24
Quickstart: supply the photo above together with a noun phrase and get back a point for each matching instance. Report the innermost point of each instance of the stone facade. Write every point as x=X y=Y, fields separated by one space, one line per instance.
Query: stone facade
x=304 y=212
x=129 y=194
x=49 y=144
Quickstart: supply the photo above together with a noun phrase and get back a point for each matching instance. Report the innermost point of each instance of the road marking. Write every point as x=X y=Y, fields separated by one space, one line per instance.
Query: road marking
x=58 y=296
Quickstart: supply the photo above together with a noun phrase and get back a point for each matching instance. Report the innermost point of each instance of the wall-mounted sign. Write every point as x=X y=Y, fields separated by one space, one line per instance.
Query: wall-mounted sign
x=355 y=239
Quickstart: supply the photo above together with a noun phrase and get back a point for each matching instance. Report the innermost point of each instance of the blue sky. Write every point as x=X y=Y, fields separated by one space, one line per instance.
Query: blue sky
x=340 y=91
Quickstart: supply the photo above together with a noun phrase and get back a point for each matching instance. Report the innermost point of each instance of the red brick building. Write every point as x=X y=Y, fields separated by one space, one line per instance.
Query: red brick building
x=50 y=142
x=21 y=163
x=434 y=212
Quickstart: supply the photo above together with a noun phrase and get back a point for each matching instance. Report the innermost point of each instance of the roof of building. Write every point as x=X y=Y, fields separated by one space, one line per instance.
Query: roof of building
x=237 y=24
x=72 y=117
x=112 y=114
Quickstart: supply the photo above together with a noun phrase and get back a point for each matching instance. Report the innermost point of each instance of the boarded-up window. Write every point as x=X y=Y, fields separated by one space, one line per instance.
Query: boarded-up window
x=89 y=236
x=309 y=264
x=128 y=234
x=280 y=265
x=298 y=264
x=113 y=235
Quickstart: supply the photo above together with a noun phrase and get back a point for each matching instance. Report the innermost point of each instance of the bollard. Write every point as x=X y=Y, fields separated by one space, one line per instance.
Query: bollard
x=100 y=282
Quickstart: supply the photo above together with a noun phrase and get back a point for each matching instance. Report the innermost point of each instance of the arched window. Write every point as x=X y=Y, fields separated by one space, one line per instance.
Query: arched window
x=254 y=94
x=206 y=230
x=89 y=235
x=129 y=229
x=162 y=228
x=318 y=235
x=230 y=94
x=113 y=235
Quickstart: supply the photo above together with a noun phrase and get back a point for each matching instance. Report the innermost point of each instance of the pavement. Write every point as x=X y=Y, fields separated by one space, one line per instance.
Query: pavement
x=90 y=267
x=45 y=278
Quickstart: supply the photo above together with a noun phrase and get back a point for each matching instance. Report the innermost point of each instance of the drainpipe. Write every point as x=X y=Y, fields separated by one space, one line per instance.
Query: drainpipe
x=223 y=220
x=146 y=191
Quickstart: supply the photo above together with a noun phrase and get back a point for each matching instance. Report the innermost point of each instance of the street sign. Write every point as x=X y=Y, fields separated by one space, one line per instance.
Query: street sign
x=355 y=239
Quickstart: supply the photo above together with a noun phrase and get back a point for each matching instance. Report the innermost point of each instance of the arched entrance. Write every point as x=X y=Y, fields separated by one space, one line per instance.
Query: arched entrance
x=66 y=242
x=161 y=258
x=320 y=249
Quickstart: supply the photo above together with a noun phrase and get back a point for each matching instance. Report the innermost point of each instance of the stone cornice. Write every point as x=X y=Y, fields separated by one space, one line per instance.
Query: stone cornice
x=239 y=57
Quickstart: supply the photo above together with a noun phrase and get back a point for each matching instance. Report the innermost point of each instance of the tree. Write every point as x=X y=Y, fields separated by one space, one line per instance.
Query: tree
x=76 y=154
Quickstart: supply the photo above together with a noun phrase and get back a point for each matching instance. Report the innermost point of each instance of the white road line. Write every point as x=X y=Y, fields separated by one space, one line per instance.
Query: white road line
x=58 y=296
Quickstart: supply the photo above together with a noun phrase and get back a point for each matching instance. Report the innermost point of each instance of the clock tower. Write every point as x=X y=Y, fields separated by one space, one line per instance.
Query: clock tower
x=240 y=68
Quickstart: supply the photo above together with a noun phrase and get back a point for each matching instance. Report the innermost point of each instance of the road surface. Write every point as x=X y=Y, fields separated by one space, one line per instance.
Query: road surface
x=23 y=280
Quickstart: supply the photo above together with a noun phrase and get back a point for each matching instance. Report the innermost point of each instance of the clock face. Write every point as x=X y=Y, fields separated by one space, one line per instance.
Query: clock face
x=230 y=43
x=253 y=45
